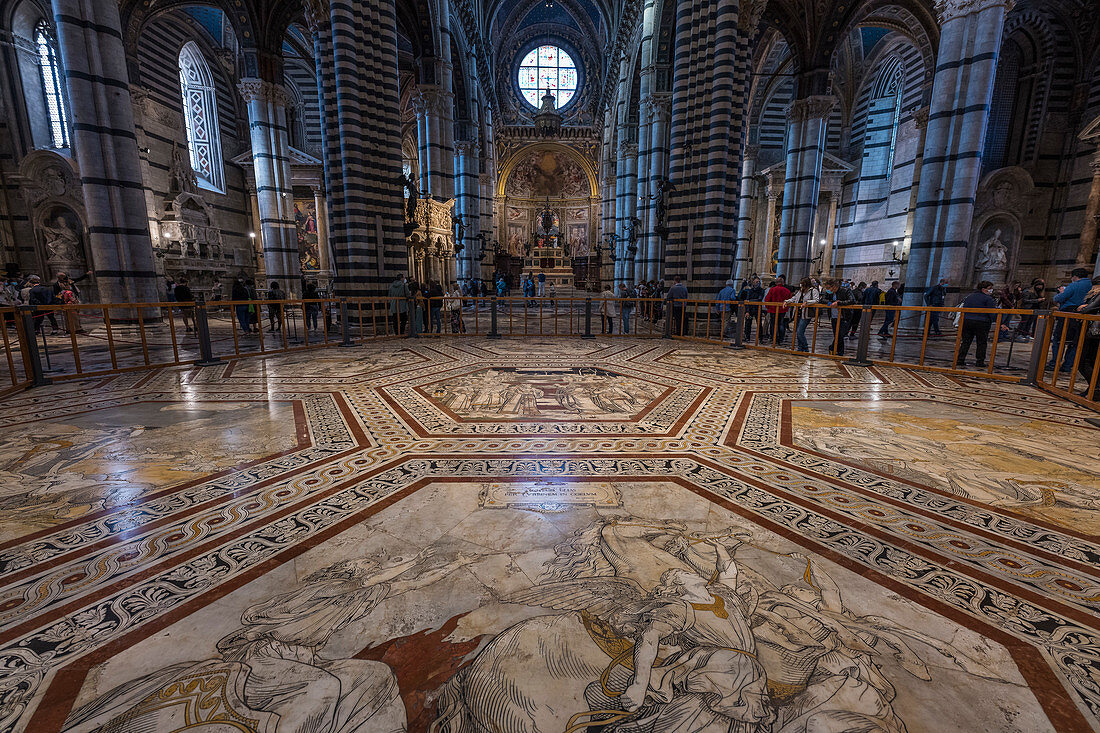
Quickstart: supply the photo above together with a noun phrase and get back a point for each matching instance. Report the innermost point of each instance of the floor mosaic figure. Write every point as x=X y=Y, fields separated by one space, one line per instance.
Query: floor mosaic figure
x=629 y=536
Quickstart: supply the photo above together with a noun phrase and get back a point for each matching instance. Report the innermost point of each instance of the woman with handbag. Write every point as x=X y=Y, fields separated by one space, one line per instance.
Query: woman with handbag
x=1091 y=342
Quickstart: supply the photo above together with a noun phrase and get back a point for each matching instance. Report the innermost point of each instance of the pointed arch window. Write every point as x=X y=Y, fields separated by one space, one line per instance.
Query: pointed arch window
x=52 y=85
x=200 y=114
x=887 y=93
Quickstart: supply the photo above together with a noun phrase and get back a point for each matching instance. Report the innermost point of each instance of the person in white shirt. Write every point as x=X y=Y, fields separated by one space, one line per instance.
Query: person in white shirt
x=806 y=295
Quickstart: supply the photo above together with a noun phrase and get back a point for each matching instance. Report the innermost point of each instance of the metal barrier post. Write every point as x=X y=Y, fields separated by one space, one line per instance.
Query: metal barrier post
x=345 y=327
x=1043 y=324
x=668 y=321
x=493 y=334
x=588 y=319
x=202 y=330
x=860 y=359
x=34 y=359
x=739 y=328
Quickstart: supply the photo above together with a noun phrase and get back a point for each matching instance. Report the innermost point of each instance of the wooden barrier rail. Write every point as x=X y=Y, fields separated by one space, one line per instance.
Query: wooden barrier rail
x=108 y=338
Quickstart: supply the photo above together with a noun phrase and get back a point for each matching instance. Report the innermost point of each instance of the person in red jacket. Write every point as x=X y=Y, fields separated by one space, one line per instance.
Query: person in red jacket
x=777 y=313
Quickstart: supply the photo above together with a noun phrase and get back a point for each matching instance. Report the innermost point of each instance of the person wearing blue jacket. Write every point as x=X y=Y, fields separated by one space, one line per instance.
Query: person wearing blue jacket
x=1069 y=298
x=725 y=309
x=975 y=326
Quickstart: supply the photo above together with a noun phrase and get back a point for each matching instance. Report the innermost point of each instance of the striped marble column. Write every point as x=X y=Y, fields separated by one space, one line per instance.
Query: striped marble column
x=742 y=263
x=467 y=204
x=710 y=72
x=657 y=109
x=357 y=40
x=966 y=67
x=105 y=149
x=435 y=130
x=626 y=196
x=267 y=103
x=807 y=122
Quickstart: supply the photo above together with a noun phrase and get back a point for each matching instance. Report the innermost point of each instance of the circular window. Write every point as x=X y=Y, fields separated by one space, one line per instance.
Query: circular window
x=547 y=67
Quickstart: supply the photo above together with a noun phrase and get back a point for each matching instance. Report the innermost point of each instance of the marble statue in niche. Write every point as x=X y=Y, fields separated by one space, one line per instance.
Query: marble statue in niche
x=62 y=243
x=994 y=254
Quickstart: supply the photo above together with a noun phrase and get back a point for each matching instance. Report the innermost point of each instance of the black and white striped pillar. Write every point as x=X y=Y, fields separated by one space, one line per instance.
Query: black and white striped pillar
x=106 y=150
x=962 y=90
x=467 y=204
x=807 y=123
x=266 y=103
x=357 y=53
x=709 y=84
x=656 y=112
x=742 y=265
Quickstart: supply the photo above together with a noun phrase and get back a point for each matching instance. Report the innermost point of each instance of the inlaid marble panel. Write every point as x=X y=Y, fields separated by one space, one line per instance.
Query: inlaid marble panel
x=622 y=535
x=1033 y=465
x=55 y=470
x=531 y=619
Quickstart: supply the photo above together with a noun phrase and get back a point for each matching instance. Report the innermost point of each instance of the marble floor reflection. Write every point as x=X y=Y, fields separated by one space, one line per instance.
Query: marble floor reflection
x=613 y=535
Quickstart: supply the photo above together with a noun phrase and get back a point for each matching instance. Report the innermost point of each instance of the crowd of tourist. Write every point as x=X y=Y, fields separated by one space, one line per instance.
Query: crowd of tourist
x=417 y=308
x=31 y=290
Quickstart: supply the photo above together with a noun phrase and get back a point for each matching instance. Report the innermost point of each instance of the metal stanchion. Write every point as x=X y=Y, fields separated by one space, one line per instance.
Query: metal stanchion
x=739 y=329
x=588 y=319
x=202 y=330
x=860 y=359
x=290 y=319
x=668 y=322
x=1043 y=324
x=493 y=334
x=46 y=350
x=34 y=360
x=345 y=327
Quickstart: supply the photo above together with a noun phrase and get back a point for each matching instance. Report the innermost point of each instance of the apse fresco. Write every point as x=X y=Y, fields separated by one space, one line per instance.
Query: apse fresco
x=305 y=219
x=548 y=173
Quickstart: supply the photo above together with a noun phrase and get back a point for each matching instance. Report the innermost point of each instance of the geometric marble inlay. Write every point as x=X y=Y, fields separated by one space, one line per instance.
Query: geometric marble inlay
x=615 y=535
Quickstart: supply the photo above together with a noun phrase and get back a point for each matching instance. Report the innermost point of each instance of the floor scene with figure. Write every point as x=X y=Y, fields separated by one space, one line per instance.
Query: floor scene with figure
x=617 y=535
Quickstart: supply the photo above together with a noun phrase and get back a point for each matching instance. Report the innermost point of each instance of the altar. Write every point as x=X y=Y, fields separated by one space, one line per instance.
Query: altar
x=550 y=258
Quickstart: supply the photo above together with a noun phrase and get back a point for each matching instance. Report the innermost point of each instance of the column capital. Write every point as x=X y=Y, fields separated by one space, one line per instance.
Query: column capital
x=430 y=99
x=317 y=188
x=811 y=108
x=658 y=105
x=951 y=9
x=465 y=147
x=628 y=150
x=253 y=89
x=316 y=11
x=751 y=152
x=920 y=117
x=750 y=13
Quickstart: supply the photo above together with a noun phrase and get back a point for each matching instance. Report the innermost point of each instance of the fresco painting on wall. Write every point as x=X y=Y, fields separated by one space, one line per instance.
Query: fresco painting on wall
x=517 y=237
x=305 y=217
x=546 y=173
x=578 y=240
x=516 y=214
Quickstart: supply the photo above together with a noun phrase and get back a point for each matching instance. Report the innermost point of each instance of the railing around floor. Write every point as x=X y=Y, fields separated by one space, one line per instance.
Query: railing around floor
x=99 y=339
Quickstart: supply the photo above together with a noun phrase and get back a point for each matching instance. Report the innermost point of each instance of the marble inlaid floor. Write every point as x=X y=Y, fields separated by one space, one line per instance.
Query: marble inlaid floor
x=620 y=536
